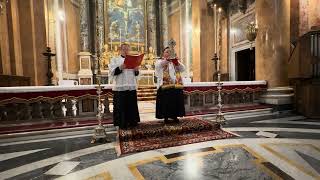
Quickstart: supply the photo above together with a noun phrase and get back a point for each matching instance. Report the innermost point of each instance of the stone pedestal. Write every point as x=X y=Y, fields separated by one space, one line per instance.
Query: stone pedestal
x=273 y=41
x=85 y=73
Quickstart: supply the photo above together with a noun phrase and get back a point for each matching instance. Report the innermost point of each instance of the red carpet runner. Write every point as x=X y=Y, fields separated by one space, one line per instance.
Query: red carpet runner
x=155 y=135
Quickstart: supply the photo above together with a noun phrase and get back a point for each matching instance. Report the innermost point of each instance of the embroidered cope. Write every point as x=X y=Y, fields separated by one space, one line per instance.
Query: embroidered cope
x=168 y=76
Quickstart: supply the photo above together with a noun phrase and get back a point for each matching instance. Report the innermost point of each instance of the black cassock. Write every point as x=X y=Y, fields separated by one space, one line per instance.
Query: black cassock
x=125 y=107
x=170 y=103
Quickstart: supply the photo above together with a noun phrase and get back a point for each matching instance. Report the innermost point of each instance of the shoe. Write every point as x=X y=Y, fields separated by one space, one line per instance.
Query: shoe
x=176 y=120
x=166 y=121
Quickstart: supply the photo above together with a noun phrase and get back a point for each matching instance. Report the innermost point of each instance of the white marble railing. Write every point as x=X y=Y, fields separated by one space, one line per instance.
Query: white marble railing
x=61 y=102
x=51 y=102
x=204 y=95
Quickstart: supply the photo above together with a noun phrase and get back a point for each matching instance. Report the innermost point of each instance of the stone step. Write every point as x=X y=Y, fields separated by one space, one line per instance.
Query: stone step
x=145 y=94
x=146 y=90
x=151 y=98
x=146 y=87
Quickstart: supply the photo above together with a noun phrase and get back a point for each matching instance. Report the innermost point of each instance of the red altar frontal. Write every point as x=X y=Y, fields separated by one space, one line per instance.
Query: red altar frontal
x=51 y=107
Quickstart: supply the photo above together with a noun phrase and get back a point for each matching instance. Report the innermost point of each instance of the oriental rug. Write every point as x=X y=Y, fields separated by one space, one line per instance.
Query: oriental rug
x=155 y=135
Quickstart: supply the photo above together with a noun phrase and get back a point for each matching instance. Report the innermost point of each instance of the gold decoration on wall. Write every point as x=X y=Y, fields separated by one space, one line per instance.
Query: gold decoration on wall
x=251 y=31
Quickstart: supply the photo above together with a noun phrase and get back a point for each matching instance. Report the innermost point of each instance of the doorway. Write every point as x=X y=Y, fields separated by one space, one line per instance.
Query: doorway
x=245 y=65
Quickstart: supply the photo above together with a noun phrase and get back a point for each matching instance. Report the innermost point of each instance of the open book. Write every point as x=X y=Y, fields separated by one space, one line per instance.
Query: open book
x=174 y=61
x=132 y=61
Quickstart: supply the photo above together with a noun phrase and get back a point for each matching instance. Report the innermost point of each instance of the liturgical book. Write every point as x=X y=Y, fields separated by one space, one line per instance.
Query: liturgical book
x=174 y=61
x=132 y=61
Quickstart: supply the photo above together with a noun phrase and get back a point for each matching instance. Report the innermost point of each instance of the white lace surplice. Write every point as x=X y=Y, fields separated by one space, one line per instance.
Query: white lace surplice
x=125 y=80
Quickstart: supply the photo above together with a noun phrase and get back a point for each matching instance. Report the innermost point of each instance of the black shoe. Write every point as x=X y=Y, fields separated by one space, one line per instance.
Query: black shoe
x=166 y=121
x=176 y=120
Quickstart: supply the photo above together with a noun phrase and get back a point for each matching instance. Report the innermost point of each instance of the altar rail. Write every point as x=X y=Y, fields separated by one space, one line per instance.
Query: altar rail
x=204 y=95
x=39 y=103
x=51 y=102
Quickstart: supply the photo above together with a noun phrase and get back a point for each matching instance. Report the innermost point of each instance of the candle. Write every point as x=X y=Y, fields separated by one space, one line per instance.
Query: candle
x=215 y=28
x=111 y=43
x=120 y=36
x=146 y=45
x=138 y=41
x=110 y=34
x=48 y=20
x=218 y=24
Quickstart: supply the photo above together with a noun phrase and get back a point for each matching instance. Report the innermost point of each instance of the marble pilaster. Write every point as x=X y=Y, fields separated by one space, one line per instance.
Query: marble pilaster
x=100 y=24
x=14 y=36
x=84 y=31
x=273 y=41
x=151 y=25
x=164 y=23
x=33 y=40
x=4 y=42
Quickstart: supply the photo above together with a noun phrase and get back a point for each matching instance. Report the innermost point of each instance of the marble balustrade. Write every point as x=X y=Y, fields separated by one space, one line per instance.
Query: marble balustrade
x=201 y=96
x=51 y=102
x=70 y=102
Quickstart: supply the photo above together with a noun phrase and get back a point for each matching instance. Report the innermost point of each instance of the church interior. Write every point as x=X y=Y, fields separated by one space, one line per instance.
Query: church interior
x=250 y=89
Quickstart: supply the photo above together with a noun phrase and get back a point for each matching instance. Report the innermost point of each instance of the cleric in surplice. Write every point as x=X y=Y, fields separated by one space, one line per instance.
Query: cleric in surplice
x=170 y=98
x=125 y=106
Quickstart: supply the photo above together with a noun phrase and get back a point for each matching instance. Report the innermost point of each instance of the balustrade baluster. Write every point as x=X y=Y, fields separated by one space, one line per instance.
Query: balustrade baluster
x=106 y=105
x=36 y=110
x=68 y=106
x=3 y=113
x=74 y=107
x=12 y=111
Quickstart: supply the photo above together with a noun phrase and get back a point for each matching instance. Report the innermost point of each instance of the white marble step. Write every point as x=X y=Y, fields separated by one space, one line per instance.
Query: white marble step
x=242 y=114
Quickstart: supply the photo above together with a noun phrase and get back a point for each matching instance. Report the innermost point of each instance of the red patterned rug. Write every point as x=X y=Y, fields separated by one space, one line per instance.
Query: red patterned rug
x=156 y=134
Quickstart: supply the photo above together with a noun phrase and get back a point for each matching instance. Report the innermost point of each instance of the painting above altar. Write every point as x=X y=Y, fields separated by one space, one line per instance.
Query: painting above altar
x=126 y=22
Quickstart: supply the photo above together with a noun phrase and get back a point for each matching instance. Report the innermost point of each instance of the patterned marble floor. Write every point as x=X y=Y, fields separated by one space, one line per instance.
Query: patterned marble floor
x=270 y=146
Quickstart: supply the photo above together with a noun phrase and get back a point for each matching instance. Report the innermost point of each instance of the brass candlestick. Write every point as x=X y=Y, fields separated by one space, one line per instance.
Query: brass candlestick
x=99 y=130
x=220 y=120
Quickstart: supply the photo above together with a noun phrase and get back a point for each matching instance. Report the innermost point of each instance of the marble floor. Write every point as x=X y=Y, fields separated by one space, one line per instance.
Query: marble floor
x=269 y=145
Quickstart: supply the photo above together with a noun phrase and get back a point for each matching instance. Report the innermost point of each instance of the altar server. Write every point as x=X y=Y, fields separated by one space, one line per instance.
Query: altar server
x=125 y=106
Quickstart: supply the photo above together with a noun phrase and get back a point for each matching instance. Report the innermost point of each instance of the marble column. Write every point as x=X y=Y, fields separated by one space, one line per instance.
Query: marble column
x=84 y=31
x=273 y=41
x=4 y=41
x=151 y=24
x=164 y=22
x=93 y=37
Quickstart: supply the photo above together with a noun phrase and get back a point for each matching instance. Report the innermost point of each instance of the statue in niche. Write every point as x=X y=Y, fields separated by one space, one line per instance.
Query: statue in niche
x=115 y=53
x=106 y=56
x=149 y=59
x=137 y=29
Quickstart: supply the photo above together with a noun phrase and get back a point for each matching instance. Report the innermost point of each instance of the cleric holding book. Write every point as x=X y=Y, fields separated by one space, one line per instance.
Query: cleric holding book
x=125 y=107
x=170 y=99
